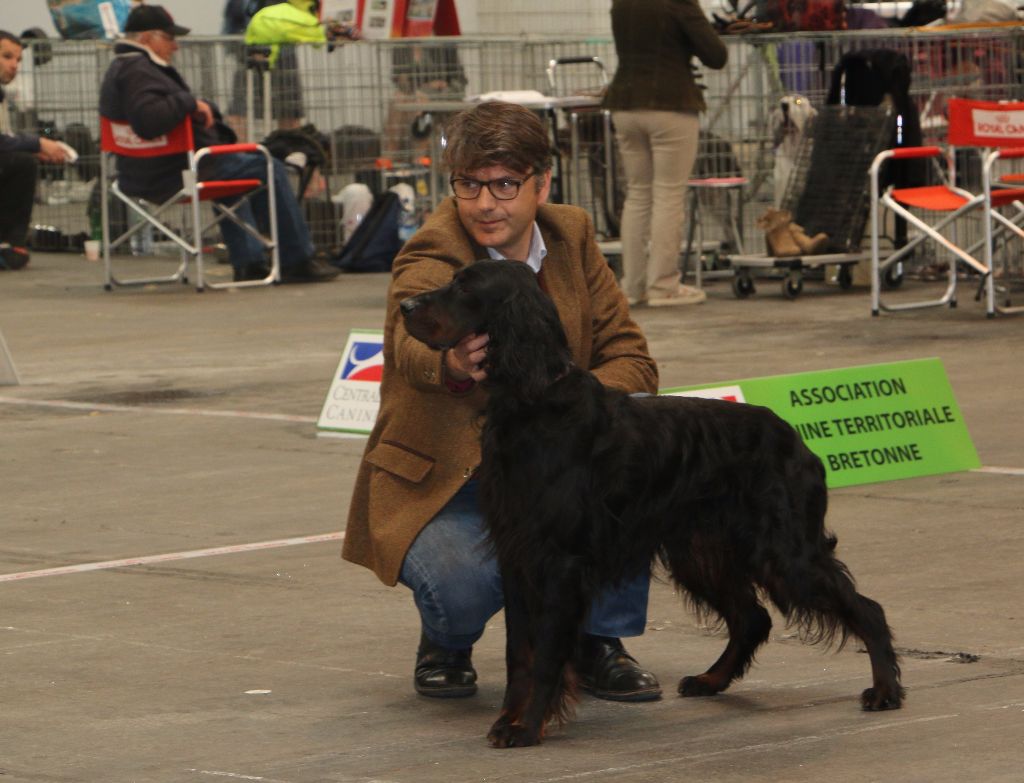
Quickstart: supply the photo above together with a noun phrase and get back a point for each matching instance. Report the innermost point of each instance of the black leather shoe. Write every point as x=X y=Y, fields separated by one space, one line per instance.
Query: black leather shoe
x=607 y=671
x=312 y=271
x=251 y=272
x=442 y=673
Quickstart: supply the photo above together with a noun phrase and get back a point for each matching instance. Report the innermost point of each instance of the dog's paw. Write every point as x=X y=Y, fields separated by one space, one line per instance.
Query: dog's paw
x=697 y=686
x=511 y=735
x=877 y=699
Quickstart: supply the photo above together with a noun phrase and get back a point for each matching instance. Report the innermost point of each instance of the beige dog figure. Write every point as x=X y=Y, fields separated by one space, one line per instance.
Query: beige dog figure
x=790 y=120
x=786 y=238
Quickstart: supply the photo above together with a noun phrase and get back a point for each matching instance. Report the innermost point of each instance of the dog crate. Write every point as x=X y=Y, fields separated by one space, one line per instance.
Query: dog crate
x=828 y=192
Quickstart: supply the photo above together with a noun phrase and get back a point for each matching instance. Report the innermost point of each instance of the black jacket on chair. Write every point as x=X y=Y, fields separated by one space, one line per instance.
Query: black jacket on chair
x=153 y=98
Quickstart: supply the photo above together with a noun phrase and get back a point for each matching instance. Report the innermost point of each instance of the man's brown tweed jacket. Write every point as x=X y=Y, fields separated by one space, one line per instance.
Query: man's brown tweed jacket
x=425 y=443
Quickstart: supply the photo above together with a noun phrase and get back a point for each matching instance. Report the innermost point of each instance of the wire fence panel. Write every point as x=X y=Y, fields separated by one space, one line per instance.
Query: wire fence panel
x=372 y=100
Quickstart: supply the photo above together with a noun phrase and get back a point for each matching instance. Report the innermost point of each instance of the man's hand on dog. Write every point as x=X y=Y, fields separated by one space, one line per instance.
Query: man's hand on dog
x=463 y=360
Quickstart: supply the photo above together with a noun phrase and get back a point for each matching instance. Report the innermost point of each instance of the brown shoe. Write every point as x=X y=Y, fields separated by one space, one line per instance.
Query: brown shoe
x=607 y=671
x=443 y=674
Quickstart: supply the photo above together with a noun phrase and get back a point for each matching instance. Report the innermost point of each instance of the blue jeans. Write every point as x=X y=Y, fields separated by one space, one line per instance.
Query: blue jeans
x=292 y=231
x=457 y=587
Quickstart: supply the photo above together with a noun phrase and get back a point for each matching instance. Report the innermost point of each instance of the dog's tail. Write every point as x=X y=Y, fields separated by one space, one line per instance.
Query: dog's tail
x=813 y=606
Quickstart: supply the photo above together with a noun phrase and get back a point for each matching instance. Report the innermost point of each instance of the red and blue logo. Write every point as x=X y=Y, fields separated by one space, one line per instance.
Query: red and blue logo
x=364 y=361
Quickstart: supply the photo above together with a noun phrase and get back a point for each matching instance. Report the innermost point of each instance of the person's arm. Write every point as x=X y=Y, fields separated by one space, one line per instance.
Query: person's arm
x=416 y=270
x=154 y=109
x=19 y=142
x=47 y=150
x=699 y=34
x=619 y=357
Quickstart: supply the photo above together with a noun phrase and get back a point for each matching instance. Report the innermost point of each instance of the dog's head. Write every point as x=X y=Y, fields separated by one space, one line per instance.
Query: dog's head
x=442 y=317
x=503 y=300
x=790 y=117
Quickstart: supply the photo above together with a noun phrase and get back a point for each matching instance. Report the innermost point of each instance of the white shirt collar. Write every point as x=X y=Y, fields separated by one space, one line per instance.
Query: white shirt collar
x=535 y=257
x=148 y=51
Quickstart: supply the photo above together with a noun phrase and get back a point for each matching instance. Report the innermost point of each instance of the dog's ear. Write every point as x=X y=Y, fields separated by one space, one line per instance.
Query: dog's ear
x=527 y=347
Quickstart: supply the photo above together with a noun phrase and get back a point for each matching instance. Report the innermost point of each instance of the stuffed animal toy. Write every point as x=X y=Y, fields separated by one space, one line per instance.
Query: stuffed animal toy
x=786 y=238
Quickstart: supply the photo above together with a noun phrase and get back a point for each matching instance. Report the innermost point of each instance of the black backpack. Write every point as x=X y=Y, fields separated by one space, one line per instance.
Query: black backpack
x=307 y=140
x=375 y=243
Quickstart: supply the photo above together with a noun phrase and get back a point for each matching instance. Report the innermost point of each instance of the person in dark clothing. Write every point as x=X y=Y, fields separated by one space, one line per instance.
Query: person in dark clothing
x=20 y=154
x=142 y=88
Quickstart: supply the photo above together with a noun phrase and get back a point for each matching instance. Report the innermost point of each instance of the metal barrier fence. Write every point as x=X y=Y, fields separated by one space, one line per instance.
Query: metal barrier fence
x=364 y=97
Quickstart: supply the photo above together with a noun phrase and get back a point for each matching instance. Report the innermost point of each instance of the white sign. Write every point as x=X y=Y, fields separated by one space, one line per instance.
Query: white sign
x=377 y=18
x=343 y=11
x=354 y=396
x=125 y=137
x=110 y=26
x=998 y=124
x=727 y=393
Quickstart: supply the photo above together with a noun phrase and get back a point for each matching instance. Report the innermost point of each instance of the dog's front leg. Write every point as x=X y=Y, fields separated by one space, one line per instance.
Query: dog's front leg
x=547 y=689
x=518 y=659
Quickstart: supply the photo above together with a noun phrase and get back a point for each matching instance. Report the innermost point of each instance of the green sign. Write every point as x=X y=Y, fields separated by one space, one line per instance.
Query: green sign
x=873 y=423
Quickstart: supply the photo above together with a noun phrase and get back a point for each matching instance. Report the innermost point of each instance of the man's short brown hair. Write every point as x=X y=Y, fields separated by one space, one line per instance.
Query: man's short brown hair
x=6 y=36
x=497 y=134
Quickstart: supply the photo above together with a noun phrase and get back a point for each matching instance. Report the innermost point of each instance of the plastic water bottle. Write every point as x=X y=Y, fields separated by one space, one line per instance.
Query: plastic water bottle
x=142 y=240
x=407 y=224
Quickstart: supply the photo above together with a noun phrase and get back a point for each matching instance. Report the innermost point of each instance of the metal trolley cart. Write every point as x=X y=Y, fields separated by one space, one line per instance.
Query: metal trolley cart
x=828 y=192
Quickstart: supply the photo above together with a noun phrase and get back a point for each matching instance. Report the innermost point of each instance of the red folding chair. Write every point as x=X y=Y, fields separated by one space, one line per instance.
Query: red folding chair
x=1003 y=124
x=118 y=138
x=996 y=130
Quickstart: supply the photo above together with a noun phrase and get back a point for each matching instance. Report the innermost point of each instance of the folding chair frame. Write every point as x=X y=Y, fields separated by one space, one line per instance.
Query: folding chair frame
x=880 y=268
x=988 y=201
x=1007 y=224
x=732 y=187
x=192 y=193
x=574 y=180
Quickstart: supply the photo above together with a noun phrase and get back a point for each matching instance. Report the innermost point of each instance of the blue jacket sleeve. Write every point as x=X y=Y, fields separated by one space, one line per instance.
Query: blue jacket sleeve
x=19 y=142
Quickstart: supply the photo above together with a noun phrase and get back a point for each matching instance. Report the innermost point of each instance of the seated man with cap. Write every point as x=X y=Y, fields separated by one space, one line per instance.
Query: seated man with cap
x=142 y=88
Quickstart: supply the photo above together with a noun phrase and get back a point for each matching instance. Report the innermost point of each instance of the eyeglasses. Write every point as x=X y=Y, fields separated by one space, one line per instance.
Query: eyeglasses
x=503 y=188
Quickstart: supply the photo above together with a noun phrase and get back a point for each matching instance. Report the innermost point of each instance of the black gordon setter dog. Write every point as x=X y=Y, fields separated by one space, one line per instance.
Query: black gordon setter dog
x=583 y=486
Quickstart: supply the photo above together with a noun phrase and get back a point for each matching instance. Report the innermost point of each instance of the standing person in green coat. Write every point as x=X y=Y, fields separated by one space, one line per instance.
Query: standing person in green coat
x=655 y=104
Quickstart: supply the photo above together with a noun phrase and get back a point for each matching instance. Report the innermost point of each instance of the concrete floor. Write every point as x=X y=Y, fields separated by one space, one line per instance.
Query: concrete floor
x=164 y=421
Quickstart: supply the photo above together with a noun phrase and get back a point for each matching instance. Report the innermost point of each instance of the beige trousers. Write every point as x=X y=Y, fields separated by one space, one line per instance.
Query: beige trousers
x=658 y=150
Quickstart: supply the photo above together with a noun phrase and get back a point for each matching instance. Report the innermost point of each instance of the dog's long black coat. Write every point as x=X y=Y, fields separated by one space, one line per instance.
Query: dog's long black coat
x=583 y=486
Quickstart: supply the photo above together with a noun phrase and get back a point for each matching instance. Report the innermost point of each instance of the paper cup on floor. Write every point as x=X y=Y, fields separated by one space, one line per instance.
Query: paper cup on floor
x=92 y=250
